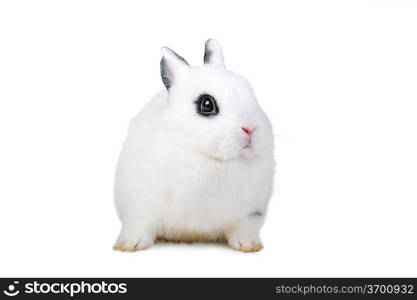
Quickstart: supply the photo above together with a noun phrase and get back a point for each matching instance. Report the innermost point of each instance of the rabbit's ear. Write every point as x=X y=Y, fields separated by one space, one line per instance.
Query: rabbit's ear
x=213 y=53
x=171 y=66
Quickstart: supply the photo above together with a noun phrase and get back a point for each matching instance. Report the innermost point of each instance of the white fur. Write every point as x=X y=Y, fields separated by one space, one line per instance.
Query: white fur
x=182 y=176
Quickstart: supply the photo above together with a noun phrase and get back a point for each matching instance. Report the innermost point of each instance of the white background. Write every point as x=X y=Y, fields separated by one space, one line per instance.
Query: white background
x=337 y=78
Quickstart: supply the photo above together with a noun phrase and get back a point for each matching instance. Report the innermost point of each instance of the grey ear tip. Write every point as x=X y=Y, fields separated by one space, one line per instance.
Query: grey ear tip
x=165 y=50
x=210 y=41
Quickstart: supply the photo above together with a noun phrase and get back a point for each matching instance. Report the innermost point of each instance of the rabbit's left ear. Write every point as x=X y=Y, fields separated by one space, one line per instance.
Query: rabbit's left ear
x=172 y=66
x=213 y=53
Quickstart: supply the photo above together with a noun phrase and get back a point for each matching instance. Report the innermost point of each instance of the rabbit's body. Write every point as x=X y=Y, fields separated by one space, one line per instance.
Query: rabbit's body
x=175 y=181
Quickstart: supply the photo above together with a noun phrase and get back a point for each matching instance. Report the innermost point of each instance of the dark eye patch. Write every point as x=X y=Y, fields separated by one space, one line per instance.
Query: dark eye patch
x=207 y=105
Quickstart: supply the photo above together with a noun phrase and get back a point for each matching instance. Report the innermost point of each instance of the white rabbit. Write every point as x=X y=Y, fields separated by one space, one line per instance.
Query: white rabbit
x=197 y=163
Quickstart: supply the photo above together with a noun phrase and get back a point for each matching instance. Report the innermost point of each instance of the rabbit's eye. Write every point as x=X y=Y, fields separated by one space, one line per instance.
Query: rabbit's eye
x=207 y=106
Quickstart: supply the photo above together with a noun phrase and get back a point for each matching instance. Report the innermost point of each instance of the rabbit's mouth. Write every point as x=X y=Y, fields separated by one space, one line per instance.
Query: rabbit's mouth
x=249 y=147
x=249 y=142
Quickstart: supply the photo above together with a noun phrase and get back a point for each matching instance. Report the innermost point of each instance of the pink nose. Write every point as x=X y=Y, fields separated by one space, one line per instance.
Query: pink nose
x=247 y=131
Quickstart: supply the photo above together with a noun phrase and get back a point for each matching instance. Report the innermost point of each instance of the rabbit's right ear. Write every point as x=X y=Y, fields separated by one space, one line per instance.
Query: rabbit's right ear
x=172 y=65
x=213 y=53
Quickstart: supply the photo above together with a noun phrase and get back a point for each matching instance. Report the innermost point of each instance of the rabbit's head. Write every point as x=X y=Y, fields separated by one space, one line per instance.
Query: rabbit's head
x=212 y=110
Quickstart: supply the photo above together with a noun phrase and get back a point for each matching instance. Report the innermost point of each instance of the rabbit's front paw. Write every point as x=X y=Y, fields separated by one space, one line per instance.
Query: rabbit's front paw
x=128 y=242
x=133 y=245
x=245 y=243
